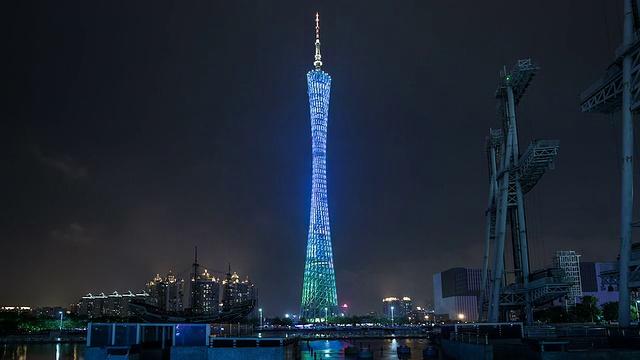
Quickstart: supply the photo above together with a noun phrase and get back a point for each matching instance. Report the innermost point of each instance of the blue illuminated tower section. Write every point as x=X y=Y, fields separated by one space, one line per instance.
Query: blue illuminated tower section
x=319 y=296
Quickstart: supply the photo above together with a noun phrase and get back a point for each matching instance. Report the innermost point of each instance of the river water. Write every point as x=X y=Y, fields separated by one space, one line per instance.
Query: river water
x=323 y=349
x=42 y=351
x=381 y=349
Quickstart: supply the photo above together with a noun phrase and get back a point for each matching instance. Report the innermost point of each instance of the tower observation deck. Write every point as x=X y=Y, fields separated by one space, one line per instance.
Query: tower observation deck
x=319 y=295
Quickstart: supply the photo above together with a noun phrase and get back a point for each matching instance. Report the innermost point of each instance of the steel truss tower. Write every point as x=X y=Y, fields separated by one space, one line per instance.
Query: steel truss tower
x=618 y=90
x=319 y=296
x=512 y=175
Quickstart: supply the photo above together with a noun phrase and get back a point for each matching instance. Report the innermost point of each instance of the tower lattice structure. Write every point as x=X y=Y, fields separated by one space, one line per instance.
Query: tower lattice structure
x=619 y=91
x=511 y=175
x=319 y=295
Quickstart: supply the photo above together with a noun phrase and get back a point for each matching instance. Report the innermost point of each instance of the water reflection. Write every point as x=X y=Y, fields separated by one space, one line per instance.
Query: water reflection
x=42 y=351
x=322 y=349
x=381 y=349
x=14 y=352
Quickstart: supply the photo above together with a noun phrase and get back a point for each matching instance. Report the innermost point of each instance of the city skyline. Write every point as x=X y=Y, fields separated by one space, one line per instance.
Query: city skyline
x=137 y=133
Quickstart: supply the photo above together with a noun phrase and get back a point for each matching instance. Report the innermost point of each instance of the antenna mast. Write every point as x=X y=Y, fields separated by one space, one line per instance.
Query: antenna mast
x=318 y=58
x=194 y=283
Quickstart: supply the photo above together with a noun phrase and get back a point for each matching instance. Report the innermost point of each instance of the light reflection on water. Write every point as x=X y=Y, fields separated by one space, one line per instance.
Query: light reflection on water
x=323 y=349
x=381 y=349
x=42 y=351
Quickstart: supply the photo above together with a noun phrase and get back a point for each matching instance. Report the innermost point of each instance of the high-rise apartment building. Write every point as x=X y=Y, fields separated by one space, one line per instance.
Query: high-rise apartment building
x=569 y=261
x=168 y=293
x=236 y=291
x=205 y=290
x=398 y=307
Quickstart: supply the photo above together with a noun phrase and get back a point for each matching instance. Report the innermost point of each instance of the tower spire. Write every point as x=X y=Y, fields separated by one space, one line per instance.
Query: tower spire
x=318 y=58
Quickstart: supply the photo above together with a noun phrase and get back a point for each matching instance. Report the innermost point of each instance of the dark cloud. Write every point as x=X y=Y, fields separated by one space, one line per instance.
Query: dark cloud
x=73 y=233
x=64 y=165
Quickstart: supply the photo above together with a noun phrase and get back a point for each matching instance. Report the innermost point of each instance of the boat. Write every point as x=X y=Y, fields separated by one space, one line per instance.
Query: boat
x=403 y=351
x=153 y=314
x=350 y=351
x=430 y=352
x=365 y=354
x=230 y=314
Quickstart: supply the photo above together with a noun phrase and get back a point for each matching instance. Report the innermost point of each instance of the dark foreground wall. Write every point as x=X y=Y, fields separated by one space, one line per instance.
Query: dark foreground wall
x=602 y=354
x=466 y=351
x=288 y=352
x=463 y=351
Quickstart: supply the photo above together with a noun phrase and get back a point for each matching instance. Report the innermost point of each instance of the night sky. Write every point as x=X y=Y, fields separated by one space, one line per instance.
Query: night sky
x=135 y=131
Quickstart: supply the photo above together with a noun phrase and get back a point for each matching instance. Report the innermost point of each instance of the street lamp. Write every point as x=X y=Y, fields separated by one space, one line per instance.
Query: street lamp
x=260 y=310
x=392 y=316
x=326 y=316
x=60 y=320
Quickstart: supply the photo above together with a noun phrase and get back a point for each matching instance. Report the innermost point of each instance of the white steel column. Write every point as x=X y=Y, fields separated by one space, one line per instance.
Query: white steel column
x=522 y=236
x=626 y=216
x=497 y=272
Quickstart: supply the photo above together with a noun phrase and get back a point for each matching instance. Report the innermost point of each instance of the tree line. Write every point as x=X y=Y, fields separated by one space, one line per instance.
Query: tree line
x=586 y=311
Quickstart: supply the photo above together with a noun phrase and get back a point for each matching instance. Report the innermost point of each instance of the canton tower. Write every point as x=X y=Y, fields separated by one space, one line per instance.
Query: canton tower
x=319 y=296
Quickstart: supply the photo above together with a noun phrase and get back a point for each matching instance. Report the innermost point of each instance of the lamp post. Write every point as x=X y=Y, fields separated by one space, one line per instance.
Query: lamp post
x=326 y=316
x=392 y=316
x=260 y=310
x=60 y=320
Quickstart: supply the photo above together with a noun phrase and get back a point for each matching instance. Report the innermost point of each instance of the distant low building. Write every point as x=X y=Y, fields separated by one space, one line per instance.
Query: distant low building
x=344 y=310
x=456 y=293
x=49 y=311
x=592 y=284
x=92 y=306
x=422 y=315
x=16 y=309
x=118 y=304
x=114 y=304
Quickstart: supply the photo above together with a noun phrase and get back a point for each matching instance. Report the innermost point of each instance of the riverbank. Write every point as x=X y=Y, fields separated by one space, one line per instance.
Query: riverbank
x=45 y=338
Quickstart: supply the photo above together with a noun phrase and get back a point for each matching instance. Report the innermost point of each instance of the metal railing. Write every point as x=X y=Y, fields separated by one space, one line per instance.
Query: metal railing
x=471 y=338
x=552 y=332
